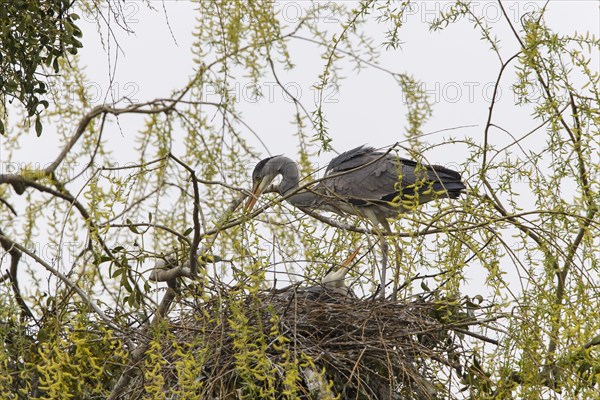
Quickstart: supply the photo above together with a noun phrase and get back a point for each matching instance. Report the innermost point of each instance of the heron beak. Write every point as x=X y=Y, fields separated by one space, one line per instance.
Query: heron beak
x=336 y=275
x=257 y=190
x=352 y=256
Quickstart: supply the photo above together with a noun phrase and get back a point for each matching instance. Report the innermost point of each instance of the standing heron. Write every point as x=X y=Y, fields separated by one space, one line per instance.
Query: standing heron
x=365 y=182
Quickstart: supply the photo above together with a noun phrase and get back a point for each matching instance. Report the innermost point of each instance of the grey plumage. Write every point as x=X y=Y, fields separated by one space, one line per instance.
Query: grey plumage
x=363 y=181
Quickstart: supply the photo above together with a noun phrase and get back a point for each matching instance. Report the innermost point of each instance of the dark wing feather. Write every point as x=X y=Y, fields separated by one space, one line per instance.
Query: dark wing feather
x=349 y=159
x=365 y=175
x=421 y=178
x=385 y=176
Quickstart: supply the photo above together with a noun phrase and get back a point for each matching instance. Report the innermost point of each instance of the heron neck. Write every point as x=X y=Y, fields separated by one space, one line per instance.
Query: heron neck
x=303 y=199
x=290 y=182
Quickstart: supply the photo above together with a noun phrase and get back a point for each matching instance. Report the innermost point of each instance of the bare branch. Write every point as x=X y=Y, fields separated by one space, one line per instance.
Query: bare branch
x=15 y=256
x=67 y=282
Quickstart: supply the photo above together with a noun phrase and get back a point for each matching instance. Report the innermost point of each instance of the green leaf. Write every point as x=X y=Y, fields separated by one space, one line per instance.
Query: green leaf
x=38 y=126
x=131 y=227
x=11 y=86
x=210 y=258
x=102 y=259
x=125 y=282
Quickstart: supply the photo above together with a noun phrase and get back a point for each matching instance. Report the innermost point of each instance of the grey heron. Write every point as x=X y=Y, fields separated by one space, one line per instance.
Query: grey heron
x=365 y=182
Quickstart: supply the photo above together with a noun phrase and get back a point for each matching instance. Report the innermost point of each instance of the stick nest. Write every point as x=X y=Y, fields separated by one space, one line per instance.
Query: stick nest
x=318 y=344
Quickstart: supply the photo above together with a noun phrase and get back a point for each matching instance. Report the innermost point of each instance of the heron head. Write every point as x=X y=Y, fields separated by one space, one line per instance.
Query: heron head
x=264 y=173
x=336 y=277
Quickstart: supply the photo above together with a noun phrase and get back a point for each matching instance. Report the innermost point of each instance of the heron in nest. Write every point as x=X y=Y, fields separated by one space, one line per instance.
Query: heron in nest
x=333 y=284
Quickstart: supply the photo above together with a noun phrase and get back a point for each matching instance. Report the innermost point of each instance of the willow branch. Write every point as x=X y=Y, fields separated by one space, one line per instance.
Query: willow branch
x=161 y=275
x=164 y=270
x=195 y=217
x=66 y=281
x=15 y=257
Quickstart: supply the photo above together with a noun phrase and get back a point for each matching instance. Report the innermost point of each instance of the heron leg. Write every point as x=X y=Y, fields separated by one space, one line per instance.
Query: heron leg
x=379 y=221
x=384 y=263
x=396 y=286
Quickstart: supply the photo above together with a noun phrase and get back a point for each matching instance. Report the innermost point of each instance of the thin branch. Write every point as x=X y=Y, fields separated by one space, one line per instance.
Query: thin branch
x=67 y=282
x=10 y=207
x=488 y=124
x=106 y=109
x=196 y=211
x=162 y=274
x=15 y=256
x=149 y=225
x=169 y=297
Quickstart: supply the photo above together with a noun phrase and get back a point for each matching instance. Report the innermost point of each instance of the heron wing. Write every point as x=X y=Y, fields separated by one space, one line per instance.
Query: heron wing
x=365 y=175
x=422 y=178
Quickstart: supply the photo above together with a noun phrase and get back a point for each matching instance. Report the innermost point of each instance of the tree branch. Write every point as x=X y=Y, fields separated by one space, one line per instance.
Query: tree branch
x=15 y=256
x=162 y=310
x=67 y=282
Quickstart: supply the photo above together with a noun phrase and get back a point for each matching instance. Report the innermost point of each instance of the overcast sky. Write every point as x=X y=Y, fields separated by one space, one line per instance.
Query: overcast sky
x=457 y=69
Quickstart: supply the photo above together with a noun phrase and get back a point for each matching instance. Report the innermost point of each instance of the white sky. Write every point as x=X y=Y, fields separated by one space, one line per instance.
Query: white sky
x=455 y=66
x=457 y=70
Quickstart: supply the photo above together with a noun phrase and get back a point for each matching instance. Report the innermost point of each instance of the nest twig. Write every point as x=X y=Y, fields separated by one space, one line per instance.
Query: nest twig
x=340 y=345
